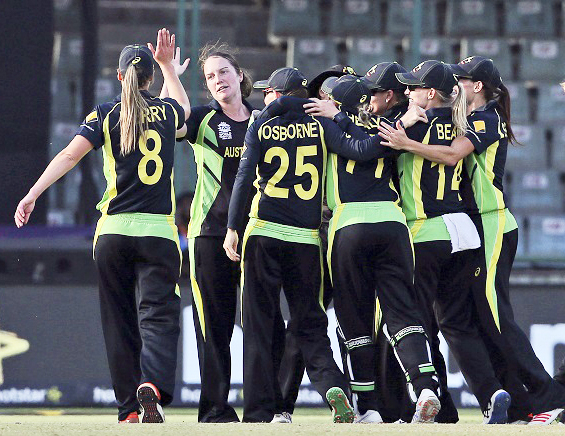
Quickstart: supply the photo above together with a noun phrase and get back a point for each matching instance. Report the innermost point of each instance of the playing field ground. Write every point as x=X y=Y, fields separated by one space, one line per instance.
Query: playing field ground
x=101 y=422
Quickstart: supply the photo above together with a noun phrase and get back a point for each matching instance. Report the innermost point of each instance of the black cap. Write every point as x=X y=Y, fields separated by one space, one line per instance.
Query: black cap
x=139 y=55
x=335 y=71
x=283 y=79
x=430 y=74
x=350 y=91
x=478 y=68
x=382 y=77
x=328 y=84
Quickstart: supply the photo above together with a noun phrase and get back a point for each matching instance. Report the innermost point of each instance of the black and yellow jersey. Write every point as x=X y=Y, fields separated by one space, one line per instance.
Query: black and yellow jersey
x=485 y=166
x=429 y=189
x=350 y=181
x=141 y=181
x=286 y=151
x=217 y=141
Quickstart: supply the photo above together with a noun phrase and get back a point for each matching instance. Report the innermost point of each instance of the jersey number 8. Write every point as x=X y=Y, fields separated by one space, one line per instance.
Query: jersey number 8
x=148 y=156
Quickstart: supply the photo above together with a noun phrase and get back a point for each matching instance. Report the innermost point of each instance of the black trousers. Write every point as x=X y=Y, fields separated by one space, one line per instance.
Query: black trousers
x=517 y=367
x=216 y=279
x=444 y=285
x=141 y=337
x=370 y=260
x=270 y=263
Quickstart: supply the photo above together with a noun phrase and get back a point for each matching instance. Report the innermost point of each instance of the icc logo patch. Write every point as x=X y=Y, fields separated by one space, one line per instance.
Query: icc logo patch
x=224 y=130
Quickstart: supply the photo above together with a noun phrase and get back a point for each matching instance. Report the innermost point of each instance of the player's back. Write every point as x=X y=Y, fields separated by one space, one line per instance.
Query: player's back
x=290 y=171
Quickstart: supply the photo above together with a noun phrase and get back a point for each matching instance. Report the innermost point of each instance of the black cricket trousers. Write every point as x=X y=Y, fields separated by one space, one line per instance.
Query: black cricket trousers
x=141 y=337
x=216 y=280
x=268 y=264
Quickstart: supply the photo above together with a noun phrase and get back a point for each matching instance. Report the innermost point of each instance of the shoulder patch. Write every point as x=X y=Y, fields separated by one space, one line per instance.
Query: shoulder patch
x=91 y=116
x=479 y=126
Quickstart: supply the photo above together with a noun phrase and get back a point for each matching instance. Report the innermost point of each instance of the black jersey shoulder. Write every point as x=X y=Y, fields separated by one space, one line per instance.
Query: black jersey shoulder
x=485 y=126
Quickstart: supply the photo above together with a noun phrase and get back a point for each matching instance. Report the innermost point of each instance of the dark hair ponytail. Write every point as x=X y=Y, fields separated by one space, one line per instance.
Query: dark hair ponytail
x=502 y=97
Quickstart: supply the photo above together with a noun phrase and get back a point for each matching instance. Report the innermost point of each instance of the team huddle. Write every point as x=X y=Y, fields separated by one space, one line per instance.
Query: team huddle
x=382 y=193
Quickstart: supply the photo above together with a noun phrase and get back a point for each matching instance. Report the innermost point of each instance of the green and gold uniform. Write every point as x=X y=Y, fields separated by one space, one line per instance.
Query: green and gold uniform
x=430 y=190
x=515 y=362
x=286 y=154
x=136 y=246
x=217 y=141
x=370 y=255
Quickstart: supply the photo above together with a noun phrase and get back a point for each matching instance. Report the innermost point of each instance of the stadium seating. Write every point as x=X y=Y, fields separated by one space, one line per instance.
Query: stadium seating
x=529 y=18
x=399 y=22
x=471 y=17
x=311 y=55
x=363 y=53
x=558 y=148
x=520 y=103
x=430 y=48
x=542 y=60
x=291 y=18
x=546 y=236
x=356 y=18
x=66 y=98
x=550 y=103
x=496 y=49
x=532 y=154
x=537 y=191
x=67 y=53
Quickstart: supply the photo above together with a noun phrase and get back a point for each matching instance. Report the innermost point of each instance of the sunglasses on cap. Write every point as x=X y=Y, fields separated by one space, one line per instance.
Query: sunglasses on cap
x=414 y=87
x=267 y=91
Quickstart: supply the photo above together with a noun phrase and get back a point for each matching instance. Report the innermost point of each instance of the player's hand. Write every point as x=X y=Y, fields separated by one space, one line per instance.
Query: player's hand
x=230 y=245
x=165 y=51
x=179 y=68
x=24 y=210
x=393 y=137
x=321 y=108
x=414 y=114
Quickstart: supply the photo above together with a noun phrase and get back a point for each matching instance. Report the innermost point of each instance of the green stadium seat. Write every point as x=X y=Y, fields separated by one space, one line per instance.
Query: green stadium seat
x=290 y=18
x=471 y=17
x=311 y=55
x=520 y=103
x=546 y=236
x=363 y=53
x=542 y=60
x=400 y=18
x=356 y=18
x=550 y=103
x=536 y=192
x=430 y=48
x=529 y=18
x=496 y=49
x=532 y=154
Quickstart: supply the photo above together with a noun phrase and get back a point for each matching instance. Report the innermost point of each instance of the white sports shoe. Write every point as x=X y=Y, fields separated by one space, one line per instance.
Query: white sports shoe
x=545 y=418
x=427 y=407
x=282 y=418
x=369 y=417
x=149 y=397
x=497 y=411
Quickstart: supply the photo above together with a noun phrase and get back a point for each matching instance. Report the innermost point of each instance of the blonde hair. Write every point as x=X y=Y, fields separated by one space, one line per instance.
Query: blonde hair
x=365 y=114
x=458 y=109
x=133 y=122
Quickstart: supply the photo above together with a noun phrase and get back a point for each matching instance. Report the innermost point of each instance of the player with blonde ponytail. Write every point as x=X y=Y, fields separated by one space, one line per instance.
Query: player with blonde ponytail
x=136 y=243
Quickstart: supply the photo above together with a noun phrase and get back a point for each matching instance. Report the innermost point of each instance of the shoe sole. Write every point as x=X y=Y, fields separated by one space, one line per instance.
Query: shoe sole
x=149 y=402
x=428 y=412
x=500 y=409
x=341 y=410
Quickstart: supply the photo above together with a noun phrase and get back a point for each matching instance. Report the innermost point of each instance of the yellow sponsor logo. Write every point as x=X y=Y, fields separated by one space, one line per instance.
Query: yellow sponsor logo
x=477 y=272
x=479 y=126
x=136 y=60
x=305 y=82
x=363 y=98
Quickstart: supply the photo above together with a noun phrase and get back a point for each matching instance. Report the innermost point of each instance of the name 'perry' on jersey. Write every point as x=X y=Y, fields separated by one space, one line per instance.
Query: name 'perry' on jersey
x=141 y=181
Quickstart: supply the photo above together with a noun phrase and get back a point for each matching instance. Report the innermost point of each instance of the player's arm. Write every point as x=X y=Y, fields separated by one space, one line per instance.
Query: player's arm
x=397 y=139
x=164 y=55
x=328 y=109
x=352 y=148
x=241 y=187
x=57 y=168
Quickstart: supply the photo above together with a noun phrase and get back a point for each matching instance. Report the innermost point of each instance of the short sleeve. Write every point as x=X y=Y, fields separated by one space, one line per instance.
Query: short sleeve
x=178 y=108
x=91 y=128
x=418 y=131
x=197 y=114
x=481 y=133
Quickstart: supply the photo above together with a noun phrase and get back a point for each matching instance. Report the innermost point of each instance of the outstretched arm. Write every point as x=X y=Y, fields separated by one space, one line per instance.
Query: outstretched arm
x=397 y=139
x=164 y=55
x=57 y=168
